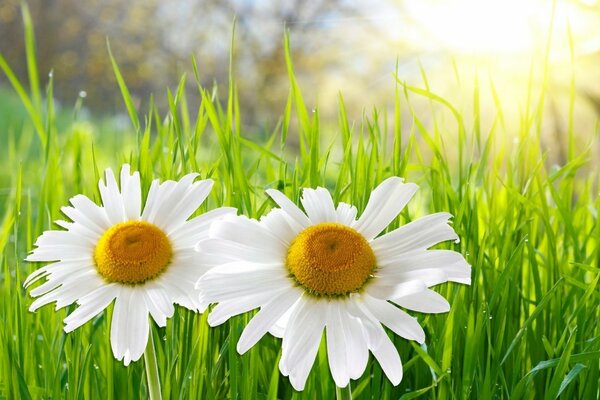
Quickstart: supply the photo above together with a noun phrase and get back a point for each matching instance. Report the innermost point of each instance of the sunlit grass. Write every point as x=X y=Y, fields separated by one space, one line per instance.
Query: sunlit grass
x=526 y=328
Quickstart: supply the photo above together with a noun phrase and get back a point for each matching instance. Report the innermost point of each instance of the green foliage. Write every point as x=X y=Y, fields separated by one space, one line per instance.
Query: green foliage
x=526 y=328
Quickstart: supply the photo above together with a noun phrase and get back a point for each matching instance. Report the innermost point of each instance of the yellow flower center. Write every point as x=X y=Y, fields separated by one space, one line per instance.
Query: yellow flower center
x=132 y=252
x=330 y=259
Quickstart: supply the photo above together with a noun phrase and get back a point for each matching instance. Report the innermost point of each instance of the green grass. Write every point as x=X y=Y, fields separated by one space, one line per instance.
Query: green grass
x=526 y=328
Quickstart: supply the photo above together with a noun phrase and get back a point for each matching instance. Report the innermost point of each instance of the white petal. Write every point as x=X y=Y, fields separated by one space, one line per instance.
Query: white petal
x=166 y=201
x=130 y=326
x=387 y=289
x=427 y=301
x=57 y=268
x=346 y=214
x=318 y=205
x=241 y=252
x=248 y=232
x=453 y=264
x=389 y=359
x=278 y=329
x=158 y=199
x=78 y=229
x=68 y=292
x=337 y=345
x=61 y=238
x=90 y=305
x=227 y=309
x=179 y=282
x=69 y=273
x=158 y=302
x=112 y=198
x=358 y=352
x=188 y=204
x=233 y=280
x=196 y=229
x=417 y=235
x=59 y=253
x=280 y=224
x=266 y=317
x=88 y=214
x=301 y=341
x=394 y=318
x=151 y=198
x=370 y=326
x=290 y=208
x=385 y=203
x=131 y=192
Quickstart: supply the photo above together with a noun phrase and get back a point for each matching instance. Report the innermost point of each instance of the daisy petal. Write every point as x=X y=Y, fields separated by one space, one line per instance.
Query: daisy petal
x=452 y=263
x=279 y=223
x=159 y=304
x=61 y=238
x=358 y=352
x=198 y=228
x=420 y=234
x=131 y=192
x=389 y=359
x=301 y=341
x=167 y=201
x=248 y=232
x=237 y=279
x=130 y=326
x=385 y=203
x=90 y=305
x=346 y=214
x=112 y=198
x=189 y=203
x=337 y=347
x=394 y=318
x=426 y=301
x=239 y=251
x=318 y=205
x=289 y=207
x=390 y=289
x=69 y=291
x=269 y=314
x=227 y=309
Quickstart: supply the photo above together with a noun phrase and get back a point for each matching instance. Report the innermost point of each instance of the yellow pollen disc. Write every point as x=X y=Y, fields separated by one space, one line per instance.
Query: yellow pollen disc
x=330 y=259
x=132 y=252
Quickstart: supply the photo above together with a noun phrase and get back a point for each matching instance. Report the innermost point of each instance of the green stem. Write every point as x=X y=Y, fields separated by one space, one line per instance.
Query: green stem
x=152 y=370
x=344 y=393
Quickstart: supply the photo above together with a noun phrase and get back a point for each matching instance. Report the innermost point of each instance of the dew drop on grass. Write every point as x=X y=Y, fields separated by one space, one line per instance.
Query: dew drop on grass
x=82 y=94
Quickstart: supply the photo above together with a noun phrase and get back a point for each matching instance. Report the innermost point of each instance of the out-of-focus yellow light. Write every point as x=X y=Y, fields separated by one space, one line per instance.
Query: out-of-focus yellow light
x=496 y=26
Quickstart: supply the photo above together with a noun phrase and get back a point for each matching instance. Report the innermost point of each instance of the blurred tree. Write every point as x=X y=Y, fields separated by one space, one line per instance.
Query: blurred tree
x=153 y=42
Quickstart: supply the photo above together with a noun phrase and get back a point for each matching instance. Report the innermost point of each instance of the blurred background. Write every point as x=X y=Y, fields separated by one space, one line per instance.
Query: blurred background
x=350 y=47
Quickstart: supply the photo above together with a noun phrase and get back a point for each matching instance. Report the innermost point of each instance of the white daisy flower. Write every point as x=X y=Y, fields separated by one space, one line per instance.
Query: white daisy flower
x=144 y=260
x=325 y=269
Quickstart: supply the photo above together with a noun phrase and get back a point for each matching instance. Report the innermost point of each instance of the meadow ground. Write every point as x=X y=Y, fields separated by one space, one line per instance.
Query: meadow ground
x=527 y=327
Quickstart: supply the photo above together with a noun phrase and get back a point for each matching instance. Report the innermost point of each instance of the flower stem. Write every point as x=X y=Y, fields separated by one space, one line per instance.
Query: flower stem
x=344 y=393
x=152 y=370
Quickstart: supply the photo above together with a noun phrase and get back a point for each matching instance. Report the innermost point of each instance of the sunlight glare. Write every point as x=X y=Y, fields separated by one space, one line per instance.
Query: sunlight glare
x=481 y=26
